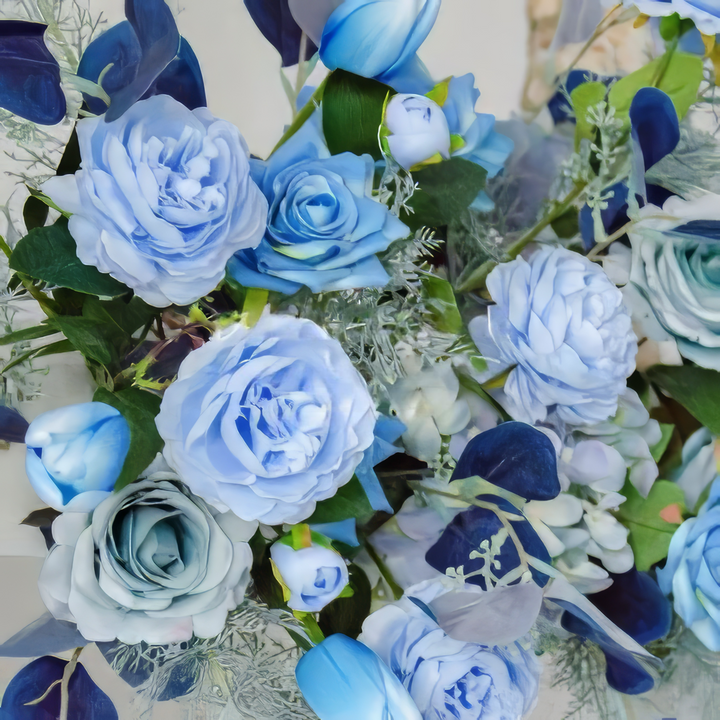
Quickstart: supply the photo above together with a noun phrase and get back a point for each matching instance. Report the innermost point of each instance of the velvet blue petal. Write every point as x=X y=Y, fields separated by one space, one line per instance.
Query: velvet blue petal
x=275 y=21
x=470 y=528
x=387 y=431
x=159 y=39
x=87 y=701
x=343 y=530
x=13 y=425
x=29 y=74
x=45 y=635
x=181 y=79
x=514 y=456
x=635 y=603
x=655 y=123
x=342 y=678
x=614 y=216
x=705 y=228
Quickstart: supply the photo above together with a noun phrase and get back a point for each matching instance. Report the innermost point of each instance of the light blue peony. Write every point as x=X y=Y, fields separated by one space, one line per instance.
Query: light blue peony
x=692 y=572
x=267 y=421
x=162 y=200
x=342 y=679
x=451 y=679
x=704 y=13
x=376 y=38
x=324 y=228
x=75 y=455
x=560 y=326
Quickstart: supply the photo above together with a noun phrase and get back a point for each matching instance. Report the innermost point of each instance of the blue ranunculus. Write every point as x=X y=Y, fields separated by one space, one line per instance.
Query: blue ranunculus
x=704 y=13
x=692 y=571
x=451 y=679
x=324 y=228
x=75 y=455
x=376 y=38
x=342 y=679
x=561 y=325
x=267 y=421
x=162 y=200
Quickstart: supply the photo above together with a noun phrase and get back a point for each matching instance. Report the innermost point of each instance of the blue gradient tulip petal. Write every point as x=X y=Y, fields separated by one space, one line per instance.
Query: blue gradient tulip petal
x=29 y=74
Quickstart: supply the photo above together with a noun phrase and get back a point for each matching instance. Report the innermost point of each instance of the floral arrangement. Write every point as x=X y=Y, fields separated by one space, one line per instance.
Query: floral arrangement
x=390 y=422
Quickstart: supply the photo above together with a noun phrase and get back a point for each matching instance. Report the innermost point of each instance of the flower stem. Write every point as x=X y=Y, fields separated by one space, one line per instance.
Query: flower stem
x=65 y=684
x=397 y=591
x=304 y=114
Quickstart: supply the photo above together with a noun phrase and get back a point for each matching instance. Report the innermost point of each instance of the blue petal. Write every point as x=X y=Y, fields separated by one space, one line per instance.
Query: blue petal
x=275 y=21
x=44 y=636
x=181 y=79
x=13 y=425
x=29 y=74
x=343 y=530
x=87 y=701
x=341 y=673
x=412 y=76
x=655 y=123
x=159 y=40
x=635 y=603
x=470 y=528
x=243 y=269
x=613 y=217
x=516 y=457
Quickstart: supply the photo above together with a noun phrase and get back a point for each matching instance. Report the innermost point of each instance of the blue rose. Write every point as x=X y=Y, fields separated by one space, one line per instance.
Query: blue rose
x=561 y=325
x=451 y=679
x=151 y=564
x=75 y=455
x=323 y=227
x=267 y=421
x=376 y=38
x=706 y=15
x=692 y=572
x=162 y=200
x=342 y=679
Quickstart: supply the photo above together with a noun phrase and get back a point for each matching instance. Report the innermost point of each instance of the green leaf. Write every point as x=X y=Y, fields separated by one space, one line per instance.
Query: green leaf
x=139 y=408
x=95 y=340
x=650 y=535
x=352 y=112
x=50 y=254
x=658 y=450
x=445 y=191
x=441 y=303
x=35 y=213
x=680 y=80
x=126 y=316
x=349 y=501
x=567 y=225
x=61 y=346
x=584 y=97
x=31 y=333
x=696 y=389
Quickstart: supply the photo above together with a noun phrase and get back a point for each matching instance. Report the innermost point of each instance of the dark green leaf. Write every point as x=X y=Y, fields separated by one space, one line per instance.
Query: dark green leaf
x=658 y=450
x=445 y=191
x=567 y=226
x=31 y=333
x=669 y=27
x=41 y=518
x=346 y=615
x=139 y=408
x=70 y=162
x=352 y=109
x=35 y=213
x=349 y=501
x=90 y=337
x=49 y=254
x=440 y=301
x=128 y=316
x=695 y=388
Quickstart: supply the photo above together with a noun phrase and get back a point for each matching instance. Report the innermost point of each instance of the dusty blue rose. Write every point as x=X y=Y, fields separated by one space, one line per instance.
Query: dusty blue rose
x=324 y=227
x=162 y=200
x=75 y=455
x=267 y=421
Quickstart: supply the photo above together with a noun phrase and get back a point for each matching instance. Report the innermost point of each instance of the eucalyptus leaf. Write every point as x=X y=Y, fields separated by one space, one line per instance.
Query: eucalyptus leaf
x=31 y=333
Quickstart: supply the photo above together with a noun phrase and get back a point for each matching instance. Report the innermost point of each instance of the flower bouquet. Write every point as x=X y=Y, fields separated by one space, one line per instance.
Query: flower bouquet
x=413 y=418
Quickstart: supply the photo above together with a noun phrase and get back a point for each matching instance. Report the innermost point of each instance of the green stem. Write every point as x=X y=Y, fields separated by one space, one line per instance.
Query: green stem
x=5 y=247
x=665 y=64
x=397 y=591
x=304 y=114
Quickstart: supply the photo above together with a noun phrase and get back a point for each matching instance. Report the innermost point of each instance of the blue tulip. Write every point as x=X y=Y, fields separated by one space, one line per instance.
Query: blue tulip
x=29 y=74
x=514 y=456
x=343 y=679
x=75 y=455
x=374 y=38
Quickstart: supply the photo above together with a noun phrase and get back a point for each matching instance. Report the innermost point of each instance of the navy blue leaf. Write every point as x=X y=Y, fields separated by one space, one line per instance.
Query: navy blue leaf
x=181 y=79
x=13 y=425
x=44 y=636
x=275 y=21
x=87 y=701
x=29 y=74
x=466 y=533
x=514 y=456
x=614 y=216
x=655 y=124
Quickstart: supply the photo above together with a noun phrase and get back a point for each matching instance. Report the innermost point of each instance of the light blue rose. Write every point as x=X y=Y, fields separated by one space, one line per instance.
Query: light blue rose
x=75 y=455
x=342 y=679
x=267 y=421
x=376 y=38
x=561 y=326
x=451 y=679
x=692 y=571
x=704 y=13
x=314 y=575
x=162 y=200
x=324 y=228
